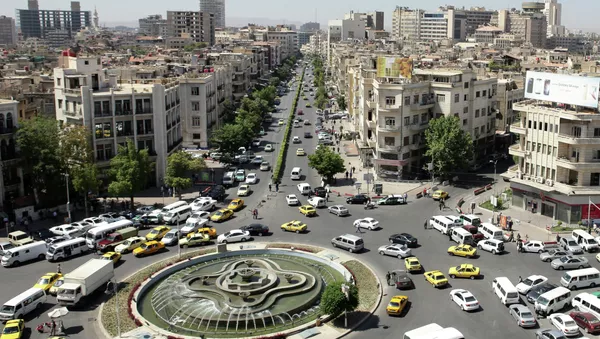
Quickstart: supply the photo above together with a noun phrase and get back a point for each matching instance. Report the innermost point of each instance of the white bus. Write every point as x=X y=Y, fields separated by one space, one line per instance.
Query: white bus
x=433 y=331
x=173 y=206
x=96 y=234
x=177 y=215
x=585 y=277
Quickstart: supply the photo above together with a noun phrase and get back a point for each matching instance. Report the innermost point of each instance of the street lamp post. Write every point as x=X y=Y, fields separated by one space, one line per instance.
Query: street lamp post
x=115 y=290
x=346 y=291
x=68 y=198
x=495 y=173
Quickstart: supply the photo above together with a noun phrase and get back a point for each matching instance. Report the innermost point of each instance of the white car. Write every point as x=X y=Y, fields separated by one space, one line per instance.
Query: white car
x=317 y=202
x=244 y=190
x=171 y=238
x=306 y=122
x=240 y=175
x=292 y=200
x=368 y=222
x=251 y=178
x=564 y=323
x=110 y=217
x=203 y=204
x=464 y=299
x=265 y=166
x=196 y=216
x=339 y=210
x=233 y=236
x=80 y=225
x=296 y=140
x=95 y=221
x=269 y=148
x=255 y=142
x=257 y=160
x=395 y=250
x=127 y=245
x=532 y=281
x=193 y=224
x=63 y=230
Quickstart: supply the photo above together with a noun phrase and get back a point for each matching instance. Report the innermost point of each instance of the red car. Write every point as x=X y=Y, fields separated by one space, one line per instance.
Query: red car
x=587 y=321
x=477 y=236
x=300 y=112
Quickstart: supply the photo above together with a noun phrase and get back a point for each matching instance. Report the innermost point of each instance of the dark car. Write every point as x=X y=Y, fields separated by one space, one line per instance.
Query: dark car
x=588 y=322
x=404 y=239
x=477 y=236
x=256 y=229
x=401 y=280
x=42 y=234
x=535 y=292
x=319 y=192
x=216 y=192
x=307 y=135
x=357 y=199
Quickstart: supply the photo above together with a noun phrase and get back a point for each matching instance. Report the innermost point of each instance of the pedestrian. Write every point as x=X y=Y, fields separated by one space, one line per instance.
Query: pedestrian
x=338 y=149
x=55 y=216
x=425 y=225
x=440 y=205
x=557 y=237
x=277 y=187
x=357 y=228
x=510 y=225
x=387 y=278
x=405 y=197
x=450 y=235
x=58 y=270
x=350 y=174
x=269 y=187
x=346 y=174
x=53 y=328
x=326 y=196
x=353 y=169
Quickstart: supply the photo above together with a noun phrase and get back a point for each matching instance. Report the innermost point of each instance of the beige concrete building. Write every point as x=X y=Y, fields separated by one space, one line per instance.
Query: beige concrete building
x=8 y=32
x=197 y=26
x=12 y=178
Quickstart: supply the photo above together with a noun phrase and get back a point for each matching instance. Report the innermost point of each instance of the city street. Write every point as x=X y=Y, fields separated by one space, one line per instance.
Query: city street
x=427 y=304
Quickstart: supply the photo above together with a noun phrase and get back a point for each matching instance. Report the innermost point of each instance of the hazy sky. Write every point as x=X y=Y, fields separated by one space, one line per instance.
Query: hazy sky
x=577 y=14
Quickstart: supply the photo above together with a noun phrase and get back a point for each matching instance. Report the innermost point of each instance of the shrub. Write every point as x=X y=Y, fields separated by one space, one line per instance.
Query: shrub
x=366 y=283
x=305 y=248
x=334 y=301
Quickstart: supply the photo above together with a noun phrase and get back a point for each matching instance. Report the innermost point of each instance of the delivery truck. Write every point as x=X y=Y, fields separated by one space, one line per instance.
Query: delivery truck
x=85 y=280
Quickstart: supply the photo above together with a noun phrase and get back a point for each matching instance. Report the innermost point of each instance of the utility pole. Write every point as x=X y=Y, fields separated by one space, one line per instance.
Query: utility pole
x=68 y=198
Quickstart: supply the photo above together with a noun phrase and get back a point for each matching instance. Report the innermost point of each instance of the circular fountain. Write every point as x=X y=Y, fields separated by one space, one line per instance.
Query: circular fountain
x=242 y=293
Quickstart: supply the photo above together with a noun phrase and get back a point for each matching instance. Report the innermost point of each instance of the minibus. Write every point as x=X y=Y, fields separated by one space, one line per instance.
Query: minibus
x=96 y=234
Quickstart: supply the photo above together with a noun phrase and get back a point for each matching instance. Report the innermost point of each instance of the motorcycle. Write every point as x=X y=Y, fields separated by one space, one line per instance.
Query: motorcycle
x=369 y=205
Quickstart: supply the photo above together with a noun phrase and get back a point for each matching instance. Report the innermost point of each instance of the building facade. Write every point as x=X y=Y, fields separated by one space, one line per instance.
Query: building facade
x=216 y=7
x=195 y=26
x=8 y=32
x=153 y=25
x=310 y=27
x=12 y=178
x=36 y=23
x=419 y=25
x=553 y=13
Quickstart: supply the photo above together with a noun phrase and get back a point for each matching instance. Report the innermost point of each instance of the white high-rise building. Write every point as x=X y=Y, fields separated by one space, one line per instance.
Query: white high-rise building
x=553 y=13
x=217 y=7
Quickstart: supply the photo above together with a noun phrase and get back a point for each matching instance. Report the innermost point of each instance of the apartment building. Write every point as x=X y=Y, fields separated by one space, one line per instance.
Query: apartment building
x=510 y=91
x=199 y=108
x=196 y=26
x=419 y=25
x=217 y=7
x=8 y=32
x=558 y=170
x=12 y=178
x=477 y=17
x=153 y=25
x=241 y=66
x=343 y=30
x=36 y=23
x=148 y=112
x=287 y=39
x=529 y=24
x=304 y=38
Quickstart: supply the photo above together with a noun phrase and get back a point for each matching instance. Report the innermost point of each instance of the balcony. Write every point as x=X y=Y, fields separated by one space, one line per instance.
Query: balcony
x=103 y=114
x=175 y=145
x=423 y=104
x=518 y=151
x=388 y=128
x=72 y=91
x=370 y=102
x=70 y=113
x=168 y=106
x=388 y=148
x=124 y=134
x=418 y=127
x=370 y=123
x=7 y=130
x=577 y=164
x=518 y=129
x=169 y=125
x=145 y=132
x=143 y=111
x=578 y=140
x=14 y=182
x=124 y=112
x=388 y=108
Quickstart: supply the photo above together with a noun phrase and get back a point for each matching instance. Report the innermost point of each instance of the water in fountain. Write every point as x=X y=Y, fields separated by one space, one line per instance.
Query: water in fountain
x=280 y=318
x=254 y=321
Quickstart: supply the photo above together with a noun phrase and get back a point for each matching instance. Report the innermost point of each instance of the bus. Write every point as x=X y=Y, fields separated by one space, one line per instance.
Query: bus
x=96 y=234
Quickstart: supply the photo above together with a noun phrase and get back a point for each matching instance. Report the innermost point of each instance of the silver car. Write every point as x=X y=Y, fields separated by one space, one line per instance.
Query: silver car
x=569 y=244
x=171 y=238
x=569 y=262
x=553 y=254
x=339 y=210
x=395 y=250
x=522 y=315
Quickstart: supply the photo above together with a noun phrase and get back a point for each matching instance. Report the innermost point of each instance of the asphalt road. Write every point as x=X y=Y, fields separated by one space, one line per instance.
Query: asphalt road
x=427 y=304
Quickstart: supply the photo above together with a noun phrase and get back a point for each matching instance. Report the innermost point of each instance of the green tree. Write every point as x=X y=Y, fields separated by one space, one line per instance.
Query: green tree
x=39 y=142
x=274 y=81
x=192 y=47
x=85 y=179
x=341 y=101
x=326 y=162
x=228 y=111
x=334 y=302
x=450 y=147
x=268 y=94
x=230 y=138
x=130 y=169
x=320 y=102
x=179 y=166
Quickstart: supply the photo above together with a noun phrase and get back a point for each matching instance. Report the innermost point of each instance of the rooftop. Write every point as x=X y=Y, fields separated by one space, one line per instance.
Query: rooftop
x=488 y=29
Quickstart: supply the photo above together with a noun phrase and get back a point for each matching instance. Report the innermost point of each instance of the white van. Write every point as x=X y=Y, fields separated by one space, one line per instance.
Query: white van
x=296 y=173
x=177 y=215
x=349 y=242
x=585 y=240
x=22 y=304
x=66 y=249
x=433 y=331
x=172 y=206
x=490 y=231
x=304 y=188
x=443 y=224
x=585 y=277
x=553 y=301
x=20 y=254
x=506 y=291
x=462 y=236
x=470 y=219
x=97 y=234
x=228 y=179
x=586 y=302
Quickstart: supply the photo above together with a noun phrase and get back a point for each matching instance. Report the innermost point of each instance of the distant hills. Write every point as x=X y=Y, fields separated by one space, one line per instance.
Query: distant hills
x=231 y=21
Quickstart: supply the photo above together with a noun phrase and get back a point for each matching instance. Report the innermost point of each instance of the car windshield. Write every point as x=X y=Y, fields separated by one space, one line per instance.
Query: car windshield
x=168 y=215
x=394 y=304
x=227 y=234
x=59 y=283
x=569 y=323
x=528 y=282
x=527 y=315
x=144 y=246
x=169 y=235
x=572 y=243
x=43 y=281
x=154 y=232
x=10 y=330
x=542 y=301
x=564 y=259
x=593 y=320
x=470 y=299
x=7 y=309
x=219 y=213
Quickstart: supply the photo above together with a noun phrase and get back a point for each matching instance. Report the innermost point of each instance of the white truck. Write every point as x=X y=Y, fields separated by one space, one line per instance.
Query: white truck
x=84 y=280
x=536 y=246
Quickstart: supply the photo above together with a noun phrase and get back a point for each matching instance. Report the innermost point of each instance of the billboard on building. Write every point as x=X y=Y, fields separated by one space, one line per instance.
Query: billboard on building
x=393 y=67
x=562 y=88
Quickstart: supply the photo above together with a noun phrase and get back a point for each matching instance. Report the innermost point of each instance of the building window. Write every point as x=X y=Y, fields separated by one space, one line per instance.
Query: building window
x=415 y=99
x=424 y=118
x=406 y=100
x=476 y=131
x=476 y=113
x=596 y=132
x=528 y=146
x=594 y=179
x=441 y=98
x=195 y=105
x=196 y=136
x=528 y=123
x=465 y=110
x=535 y=125
x=86 y=62
x=484 y=93
x=464 y=122
x=196 y=121
x=415 y=139
x=406 y=141
x=539 y=147
x=390 y=101
x=576 y=131
x=466 y=97
x=466 y=85
x=544 y=148
x=456 y=97
x=60 y=103
x=58 y=81
x=389 y=141
x=406 y=121
x=483 y=111
x=415 y=119
x=477 y=94
x=390 y=122
x=195 y=90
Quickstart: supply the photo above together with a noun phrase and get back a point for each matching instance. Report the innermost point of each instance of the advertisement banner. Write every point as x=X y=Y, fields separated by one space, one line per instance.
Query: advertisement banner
x=562 y=88
x=390 y=67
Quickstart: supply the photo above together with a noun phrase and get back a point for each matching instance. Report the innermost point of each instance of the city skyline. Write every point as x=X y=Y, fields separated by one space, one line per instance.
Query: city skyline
x=295 y=12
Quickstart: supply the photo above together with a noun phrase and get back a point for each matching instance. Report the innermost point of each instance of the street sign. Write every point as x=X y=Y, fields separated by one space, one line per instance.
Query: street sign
x=368 y=177
x=358 y=185
x=494 y=201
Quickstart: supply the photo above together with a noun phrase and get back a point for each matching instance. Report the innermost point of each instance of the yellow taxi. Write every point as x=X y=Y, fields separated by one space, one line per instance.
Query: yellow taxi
x=436 y=278
x=222 y=215
x=236 y=205
x=148 y=248
x=464 y=271
x=281 y=122
x=157 y=233
x=396 y=305
x=13 y=329
x=47 y=280
x=305 y=97
x=308 y=210
x=113 y=256
x=466 y=251
x=412 y=264
x=439 y=194
x=58 y=283
x=300 y=152
x=208 y=230
x=294 y=226
x=308 y=105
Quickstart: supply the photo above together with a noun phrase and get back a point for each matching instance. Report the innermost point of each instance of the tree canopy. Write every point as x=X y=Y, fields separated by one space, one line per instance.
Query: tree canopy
x=334 y=301
x=326 y=162
x=130 y=169
x=341 y=101
x=450 y=147
x=180 y=166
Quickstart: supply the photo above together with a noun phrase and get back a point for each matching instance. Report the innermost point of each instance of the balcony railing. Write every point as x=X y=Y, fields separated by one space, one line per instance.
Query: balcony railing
x=175 y=144
x=143 y=111
x=145 y=132
x=152 y=153
x=124 y=112
x=7 y=130
x=125 y=134
x=102 y=114
x=178 y=119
